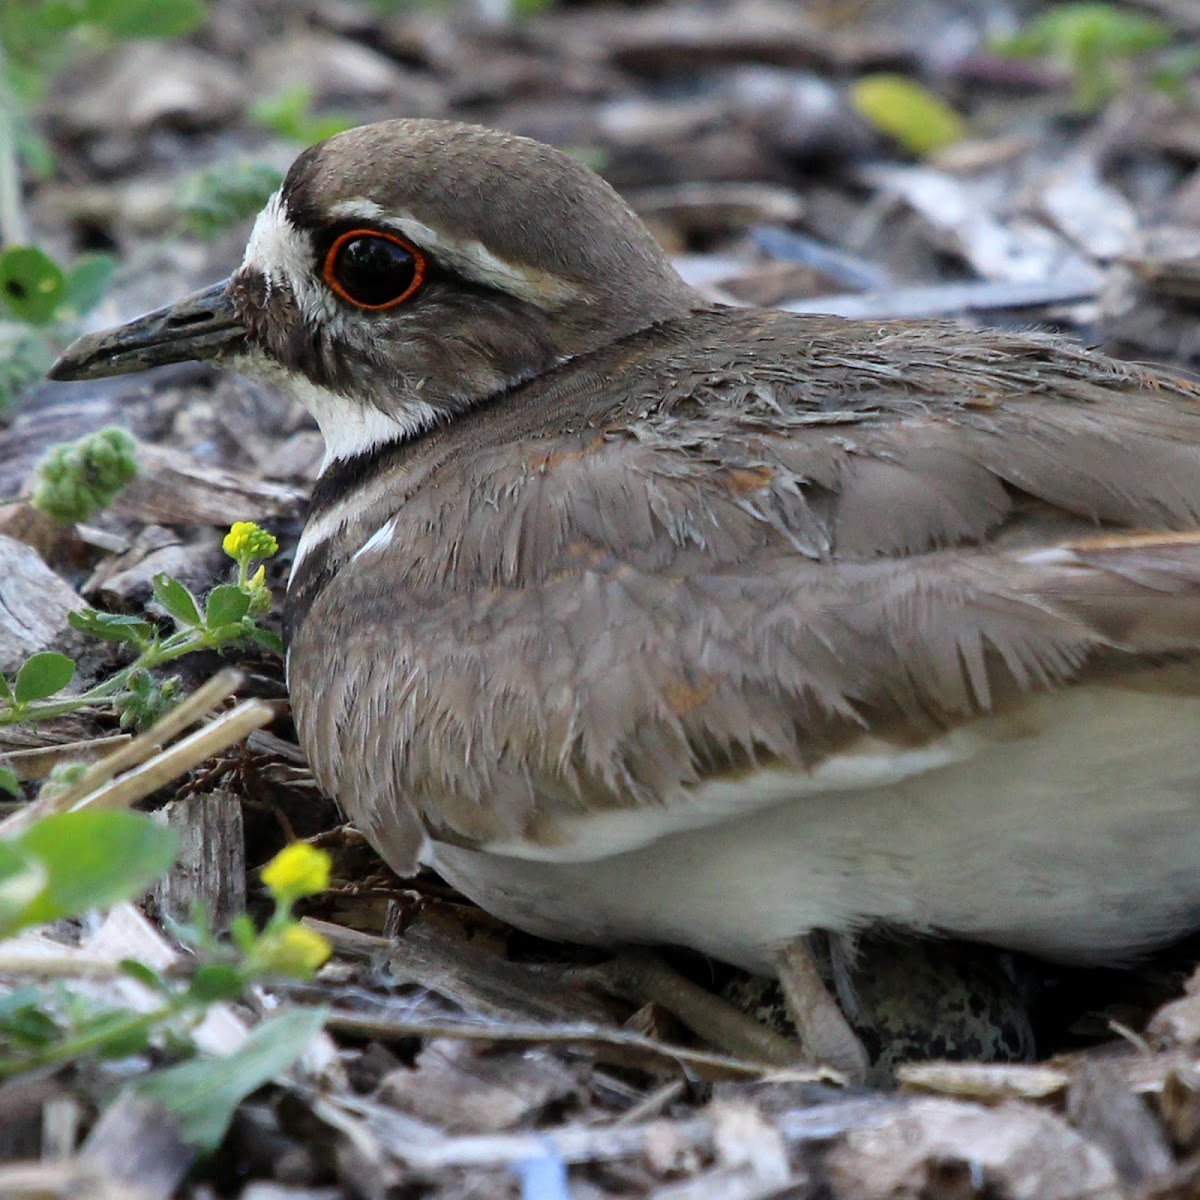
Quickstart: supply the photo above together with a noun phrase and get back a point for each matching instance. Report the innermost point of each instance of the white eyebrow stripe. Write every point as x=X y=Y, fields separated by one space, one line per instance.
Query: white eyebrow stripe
x=277 y=248
x=471 y=258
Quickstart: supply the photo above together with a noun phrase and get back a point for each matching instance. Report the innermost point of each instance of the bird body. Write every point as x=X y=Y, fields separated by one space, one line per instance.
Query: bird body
x=644 y=619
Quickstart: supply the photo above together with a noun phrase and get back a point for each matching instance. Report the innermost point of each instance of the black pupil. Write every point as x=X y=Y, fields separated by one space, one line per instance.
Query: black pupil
x=374 y=270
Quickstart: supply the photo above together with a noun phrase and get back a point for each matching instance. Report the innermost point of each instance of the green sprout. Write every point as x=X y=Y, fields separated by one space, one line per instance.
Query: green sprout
x=223 y=194
x=77 y=479
x=289 y=114
x=1095 y=42
x=65 y=864
x=226 y=615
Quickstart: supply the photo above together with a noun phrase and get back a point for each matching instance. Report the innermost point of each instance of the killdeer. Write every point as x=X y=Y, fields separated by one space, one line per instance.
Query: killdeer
x=648 y=620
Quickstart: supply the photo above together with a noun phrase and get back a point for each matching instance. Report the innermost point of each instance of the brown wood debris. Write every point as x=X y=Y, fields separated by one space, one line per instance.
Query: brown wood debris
x=463 y=1060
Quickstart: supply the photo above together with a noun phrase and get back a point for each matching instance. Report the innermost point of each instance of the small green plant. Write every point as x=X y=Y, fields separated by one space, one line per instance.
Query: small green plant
x=289 y=114
x=76 y=479
x=38 y=40
x=1097 y=43
x=228 y=614
x=66 y=864
x=41 y=300
x=214 y=199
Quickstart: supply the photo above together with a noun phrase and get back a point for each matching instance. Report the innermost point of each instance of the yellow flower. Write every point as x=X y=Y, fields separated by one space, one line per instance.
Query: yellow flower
x=297 y=870
x=293 y=950
x=245 y=541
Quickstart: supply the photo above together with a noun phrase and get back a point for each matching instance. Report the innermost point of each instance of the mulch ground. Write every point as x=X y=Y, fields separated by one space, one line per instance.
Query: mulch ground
x=462 y=1058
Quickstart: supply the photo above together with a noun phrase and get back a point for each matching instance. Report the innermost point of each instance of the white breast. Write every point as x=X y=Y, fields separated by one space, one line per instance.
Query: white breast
x=1071 y=831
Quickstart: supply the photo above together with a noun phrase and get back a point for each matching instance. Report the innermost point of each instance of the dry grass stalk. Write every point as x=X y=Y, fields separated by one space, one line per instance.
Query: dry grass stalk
x=147 y=765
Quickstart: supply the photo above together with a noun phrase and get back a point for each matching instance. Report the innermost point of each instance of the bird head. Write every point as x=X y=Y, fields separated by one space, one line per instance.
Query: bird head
x=410 y=270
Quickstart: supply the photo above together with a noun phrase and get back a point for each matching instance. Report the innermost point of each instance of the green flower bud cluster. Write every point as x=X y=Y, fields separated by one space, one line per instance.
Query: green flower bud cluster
x=77 y=479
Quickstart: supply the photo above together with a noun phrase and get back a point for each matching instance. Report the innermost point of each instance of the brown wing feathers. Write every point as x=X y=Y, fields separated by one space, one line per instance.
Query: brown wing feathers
x=773 y=559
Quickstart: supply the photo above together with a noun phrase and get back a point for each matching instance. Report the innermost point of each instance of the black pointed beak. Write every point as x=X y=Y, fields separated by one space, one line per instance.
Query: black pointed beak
x=203 y=325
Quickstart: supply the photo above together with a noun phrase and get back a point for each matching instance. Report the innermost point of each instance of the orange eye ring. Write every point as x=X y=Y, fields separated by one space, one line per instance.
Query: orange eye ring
x=329 y=269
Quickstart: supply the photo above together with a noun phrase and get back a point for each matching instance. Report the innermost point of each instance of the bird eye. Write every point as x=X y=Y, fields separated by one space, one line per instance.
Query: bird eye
x=370 y=269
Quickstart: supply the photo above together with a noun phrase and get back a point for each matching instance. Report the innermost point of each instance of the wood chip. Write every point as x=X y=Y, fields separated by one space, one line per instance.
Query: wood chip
x=934 y=1147
x=210 y=868
x=1102 y=1107
x=126 y=580
x=963 y=219
x=35 y=603
x=989 y=1082
x=483 y=983
x=461 y=1089
x=948 y=299
x=707 y=208
x=174 y=488
x=38 y=761
x=137 y=1144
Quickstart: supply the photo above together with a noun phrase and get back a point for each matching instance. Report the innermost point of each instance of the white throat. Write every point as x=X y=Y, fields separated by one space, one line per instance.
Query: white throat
x=348 y=427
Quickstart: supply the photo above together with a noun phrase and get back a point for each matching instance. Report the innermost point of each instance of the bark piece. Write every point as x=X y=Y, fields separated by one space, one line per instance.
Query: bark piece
x=933 y=1147
x=34 y=603
x=462 y=1089
x=173 y=488
x=127 y=580
x=211 y=867
x=137 y=1144
x=142 y=84
x=1104 y=1109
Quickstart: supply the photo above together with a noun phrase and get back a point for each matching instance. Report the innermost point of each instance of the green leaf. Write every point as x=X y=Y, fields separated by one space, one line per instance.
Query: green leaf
x=216 y=981
x=177 y=600
x=243 y=933
x=907 y=112
x=111 y=627
x=203 y=1094
x=22 y=880
x=264 y=637
x=146 y=976
x=126 y=20
x=91 y=860
x=289 y=114
x=30 y=1026
x=17 y=999
x=87 y=281
x=56 y=15
x=226 y=606
x=43 y=675
x=215 y=198
x=24 y=359
x=9 y=782
x=1076 y=32
x=32 y=284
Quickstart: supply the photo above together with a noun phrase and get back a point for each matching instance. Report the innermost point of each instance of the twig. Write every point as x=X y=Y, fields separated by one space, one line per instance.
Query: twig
x=38 y=761
x=145 y=746
x=395 y=1029
x=225 y=731
x=582 y=1143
